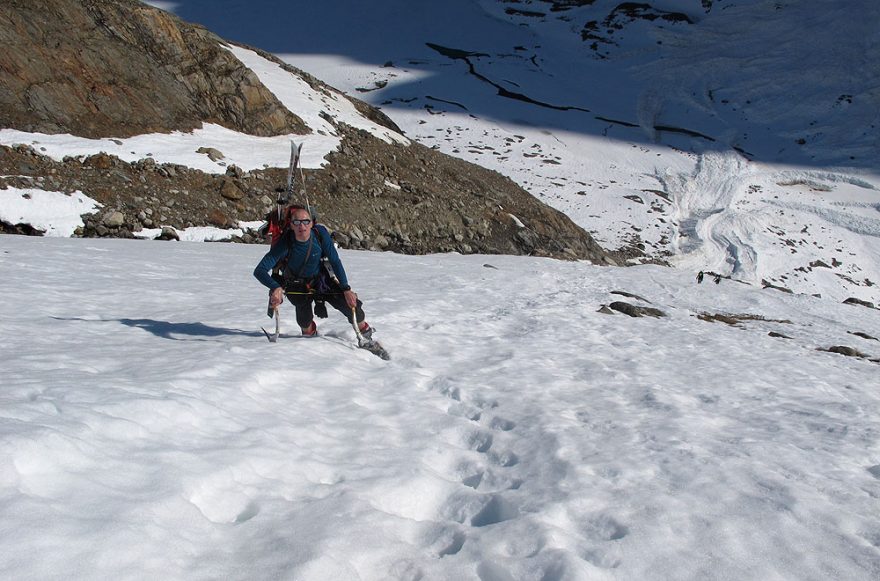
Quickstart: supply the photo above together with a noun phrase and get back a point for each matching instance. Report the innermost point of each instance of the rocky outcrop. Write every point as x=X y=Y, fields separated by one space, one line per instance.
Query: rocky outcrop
x=117 y=68
x=413 y=199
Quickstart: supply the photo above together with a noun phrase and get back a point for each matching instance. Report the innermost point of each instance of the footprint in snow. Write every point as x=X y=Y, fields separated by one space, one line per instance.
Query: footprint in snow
x=504 y=459
x=480 y=442
x=499 y=423
x=495 y=511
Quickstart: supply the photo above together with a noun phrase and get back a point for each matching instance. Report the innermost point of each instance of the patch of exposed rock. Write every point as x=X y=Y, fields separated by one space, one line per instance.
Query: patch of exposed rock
x=844 y=350
x=117 y=68
x=635 y=310
x=855 y=301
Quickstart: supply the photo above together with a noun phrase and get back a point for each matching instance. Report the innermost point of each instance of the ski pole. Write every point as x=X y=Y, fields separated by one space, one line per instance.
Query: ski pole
x=354 y=324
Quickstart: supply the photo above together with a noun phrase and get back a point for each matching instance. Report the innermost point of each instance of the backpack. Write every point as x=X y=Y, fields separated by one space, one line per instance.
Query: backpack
x=277 y=222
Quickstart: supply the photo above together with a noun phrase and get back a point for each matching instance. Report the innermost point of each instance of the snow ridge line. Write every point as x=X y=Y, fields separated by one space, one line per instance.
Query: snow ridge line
x=854 y=223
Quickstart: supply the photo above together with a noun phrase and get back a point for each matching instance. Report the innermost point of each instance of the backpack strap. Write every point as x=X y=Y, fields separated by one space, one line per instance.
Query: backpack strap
x=325 y=261
x=287 y=275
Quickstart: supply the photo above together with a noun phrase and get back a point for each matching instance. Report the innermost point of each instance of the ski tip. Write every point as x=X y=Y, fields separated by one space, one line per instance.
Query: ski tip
x=376 y=348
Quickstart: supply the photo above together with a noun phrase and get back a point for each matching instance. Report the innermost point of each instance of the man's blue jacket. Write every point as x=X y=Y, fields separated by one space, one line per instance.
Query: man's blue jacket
x=297 y=261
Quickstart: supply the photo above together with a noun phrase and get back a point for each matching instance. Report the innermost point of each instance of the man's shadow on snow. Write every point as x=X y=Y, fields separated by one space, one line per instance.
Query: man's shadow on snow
x=168 y=330
x=174 y=331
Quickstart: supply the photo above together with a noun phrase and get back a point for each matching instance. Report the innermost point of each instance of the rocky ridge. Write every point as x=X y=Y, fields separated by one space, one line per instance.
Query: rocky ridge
x=373 y=195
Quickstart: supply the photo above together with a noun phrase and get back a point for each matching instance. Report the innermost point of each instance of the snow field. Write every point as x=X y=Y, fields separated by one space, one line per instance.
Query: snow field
x=149 y=429
x=55 y=213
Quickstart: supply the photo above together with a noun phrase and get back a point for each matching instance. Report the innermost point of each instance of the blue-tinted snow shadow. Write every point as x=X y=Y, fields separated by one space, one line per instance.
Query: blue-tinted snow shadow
x=174 y=331
x=606 y=106
x=168 y=330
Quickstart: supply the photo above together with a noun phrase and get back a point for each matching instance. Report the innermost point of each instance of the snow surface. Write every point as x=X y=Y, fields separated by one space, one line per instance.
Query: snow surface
x=150 y=431
x=55 y=213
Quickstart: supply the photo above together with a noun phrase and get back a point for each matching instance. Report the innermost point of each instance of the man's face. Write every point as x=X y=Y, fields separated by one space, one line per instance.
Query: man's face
x=301 y=224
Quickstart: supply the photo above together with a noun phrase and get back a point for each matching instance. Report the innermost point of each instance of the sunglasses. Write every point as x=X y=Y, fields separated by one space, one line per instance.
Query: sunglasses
x=303 y=222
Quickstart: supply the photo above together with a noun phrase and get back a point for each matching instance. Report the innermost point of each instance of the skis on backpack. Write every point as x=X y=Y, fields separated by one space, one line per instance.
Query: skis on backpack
x=284 y=198
x=295 y=152
x=281 y=204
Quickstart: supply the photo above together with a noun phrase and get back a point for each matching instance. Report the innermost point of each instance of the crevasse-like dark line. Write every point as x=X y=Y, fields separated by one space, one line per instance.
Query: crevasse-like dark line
x=457 y=54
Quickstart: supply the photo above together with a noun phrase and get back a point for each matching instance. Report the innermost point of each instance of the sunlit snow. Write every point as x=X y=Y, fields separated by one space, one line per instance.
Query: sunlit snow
x=150 y=431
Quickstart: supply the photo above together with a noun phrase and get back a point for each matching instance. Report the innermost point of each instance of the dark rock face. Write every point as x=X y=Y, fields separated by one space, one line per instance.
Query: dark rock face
x=117 y=68
x=599 y=33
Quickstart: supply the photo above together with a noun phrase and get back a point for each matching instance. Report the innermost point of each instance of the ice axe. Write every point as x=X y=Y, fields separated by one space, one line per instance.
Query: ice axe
x=273 y=311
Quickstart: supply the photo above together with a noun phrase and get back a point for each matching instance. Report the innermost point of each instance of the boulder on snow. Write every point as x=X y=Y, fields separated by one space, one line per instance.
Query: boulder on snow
x=168 y=233
x=635 y=311
x=855 y=301
x=630 y=295
x=213 y=154
x=844 y=350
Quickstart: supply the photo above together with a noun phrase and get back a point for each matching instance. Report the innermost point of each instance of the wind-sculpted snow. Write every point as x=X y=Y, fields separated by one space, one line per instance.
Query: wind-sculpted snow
x=839 y=217
x=150 y=431
x=707 y=233
x=754 y=223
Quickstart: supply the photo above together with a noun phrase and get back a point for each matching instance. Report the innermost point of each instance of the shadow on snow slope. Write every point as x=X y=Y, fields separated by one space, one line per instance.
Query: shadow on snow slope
x=173 y=331
x=752 y=84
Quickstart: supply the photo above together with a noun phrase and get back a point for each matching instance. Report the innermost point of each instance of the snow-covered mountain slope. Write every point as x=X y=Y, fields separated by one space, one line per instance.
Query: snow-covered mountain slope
x=734 y=136
x=739 y=136
x=150 y=431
